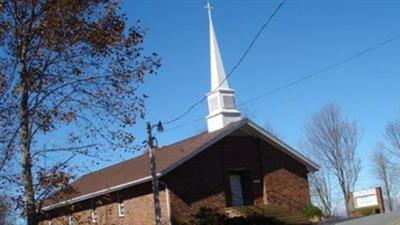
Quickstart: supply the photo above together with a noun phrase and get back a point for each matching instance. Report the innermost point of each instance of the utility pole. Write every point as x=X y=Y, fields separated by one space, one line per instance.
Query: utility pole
x=153 y=167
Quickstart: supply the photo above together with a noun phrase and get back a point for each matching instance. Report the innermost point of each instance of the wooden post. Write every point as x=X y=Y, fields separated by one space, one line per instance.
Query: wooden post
x=153 y=167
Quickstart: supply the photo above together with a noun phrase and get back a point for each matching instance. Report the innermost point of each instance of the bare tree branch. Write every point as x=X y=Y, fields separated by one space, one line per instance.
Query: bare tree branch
x=321 y=188
x=334 y=141
x=387 y=173
x=393 y=136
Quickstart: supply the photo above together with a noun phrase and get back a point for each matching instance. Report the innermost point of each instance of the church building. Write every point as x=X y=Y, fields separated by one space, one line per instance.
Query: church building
x=234 y=163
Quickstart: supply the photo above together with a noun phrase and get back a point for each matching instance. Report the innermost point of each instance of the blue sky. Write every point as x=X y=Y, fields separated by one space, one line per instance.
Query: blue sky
x=304 y=37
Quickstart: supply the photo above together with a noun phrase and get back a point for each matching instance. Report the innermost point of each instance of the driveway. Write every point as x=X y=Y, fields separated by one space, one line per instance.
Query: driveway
x=390 y=218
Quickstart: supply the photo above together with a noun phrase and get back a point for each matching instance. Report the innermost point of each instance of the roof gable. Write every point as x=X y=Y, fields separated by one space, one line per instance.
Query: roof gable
x=136 y=171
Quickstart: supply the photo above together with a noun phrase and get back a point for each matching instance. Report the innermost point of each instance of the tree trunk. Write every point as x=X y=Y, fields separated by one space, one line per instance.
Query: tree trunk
x=346 y=197
x=388 y=195
x=29 y=196
x=347 y=204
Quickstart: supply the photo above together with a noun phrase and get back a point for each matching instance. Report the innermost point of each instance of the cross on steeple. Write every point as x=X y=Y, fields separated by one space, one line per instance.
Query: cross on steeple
x=208 y=6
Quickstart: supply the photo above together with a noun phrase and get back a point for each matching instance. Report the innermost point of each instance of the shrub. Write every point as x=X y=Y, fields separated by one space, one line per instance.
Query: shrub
x=209 y=216
x=367 y=211
x=253 y=220
x=310 y=211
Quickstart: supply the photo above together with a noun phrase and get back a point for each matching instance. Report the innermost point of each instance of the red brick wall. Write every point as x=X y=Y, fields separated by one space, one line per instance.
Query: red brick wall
x=286 y=189
x=285 y=179
x=203 y=180
x=270 y=177
x=138 y=203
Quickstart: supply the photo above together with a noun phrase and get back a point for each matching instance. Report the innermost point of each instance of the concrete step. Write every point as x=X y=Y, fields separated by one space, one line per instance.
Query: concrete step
x=274 y=211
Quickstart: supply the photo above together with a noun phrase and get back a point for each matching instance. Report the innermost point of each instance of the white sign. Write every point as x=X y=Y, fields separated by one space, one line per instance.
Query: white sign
x=365 y=198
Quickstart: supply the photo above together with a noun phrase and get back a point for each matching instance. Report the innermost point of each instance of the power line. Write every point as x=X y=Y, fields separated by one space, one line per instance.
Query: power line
x=321 y=71
x=307 y=77
x=241 y=59
x=183 y=125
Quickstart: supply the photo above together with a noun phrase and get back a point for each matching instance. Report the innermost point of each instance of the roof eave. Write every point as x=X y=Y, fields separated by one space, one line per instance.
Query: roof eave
x=99 y=193
x=310 y=165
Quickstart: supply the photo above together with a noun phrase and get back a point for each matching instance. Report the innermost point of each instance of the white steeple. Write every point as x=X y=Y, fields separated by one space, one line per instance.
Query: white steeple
x=221 y=99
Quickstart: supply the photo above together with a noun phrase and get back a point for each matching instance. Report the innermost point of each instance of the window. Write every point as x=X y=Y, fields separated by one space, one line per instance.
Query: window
x=121 y=206
x=93 y=212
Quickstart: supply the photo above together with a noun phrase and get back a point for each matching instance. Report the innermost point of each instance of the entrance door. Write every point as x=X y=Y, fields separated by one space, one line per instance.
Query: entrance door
x=236 y=190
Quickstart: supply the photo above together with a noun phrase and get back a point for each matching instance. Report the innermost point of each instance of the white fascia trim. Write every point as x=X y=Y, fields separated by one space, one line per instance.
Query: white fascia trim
x=98 y=193
x=227 y=112
x=286 y=147
x=311 y=166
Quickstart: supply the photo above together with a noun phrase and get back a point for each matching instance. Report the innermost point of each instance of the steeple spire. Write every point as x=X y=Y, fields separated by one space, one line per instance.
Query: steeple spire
x=221 y=99
x=218 y=76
